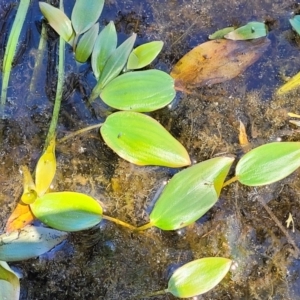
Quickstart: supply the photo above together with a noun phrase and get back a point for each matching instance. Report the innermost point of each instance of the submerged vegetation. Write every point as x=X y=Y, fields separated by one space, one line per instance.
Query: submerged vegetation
x=125 y=83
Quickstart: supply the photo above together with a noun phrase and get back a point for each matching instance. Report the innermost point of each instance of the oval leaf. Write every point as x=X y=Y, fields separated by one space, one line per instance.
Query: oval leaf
x=29 y=242
x=85 y=45
x=143 y=141
x=198 y=277
x=58 y=21
x=252 y=30
x=9 y=283
x=268 y=163
x=141 y=91
x=190 y=194
x=144 y=55
x=68 y=211
x=105 y=45
x=216 y=61
x=85 y=14
x=114 y=65
x=45 y=169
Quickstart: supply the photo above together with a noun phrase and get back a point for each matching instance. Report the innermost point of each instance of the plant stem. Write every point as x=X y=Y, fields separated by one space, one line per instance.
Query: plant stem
x=162 y=292
x=59 y=88
x=11 y=49
x=119 y=222
x=79 y=132
x=231 y=180
x=144 y=227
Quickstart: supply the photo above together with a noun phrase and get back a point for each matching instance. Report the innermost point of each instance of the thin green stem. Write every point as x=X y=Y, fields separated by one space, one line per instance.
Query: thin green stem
x=80 y=131
x=119 y=222
x=231 y=180
x=59 y=89
x=144 y=227
x=10 y=50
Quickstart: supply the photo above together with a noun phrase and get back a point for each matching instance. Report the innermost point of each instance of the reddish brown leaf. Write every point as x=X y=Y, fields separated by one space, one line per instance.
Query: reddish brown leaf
x=19 y=218
x=216 y=61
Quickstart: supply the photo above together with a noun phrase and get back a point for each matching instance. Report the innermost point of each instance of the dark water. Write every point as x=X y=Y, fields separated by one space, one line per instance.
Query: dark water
x=109 y=262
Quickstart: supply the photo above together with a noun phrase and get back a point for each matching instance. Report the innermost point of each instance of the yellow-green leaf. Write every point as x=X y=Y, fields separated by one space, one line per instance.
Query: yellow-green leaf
x=85 y=14
x=67 y=211
x=86 y=43
x=143 y=141
x=268 y=163
x=293 y=83
x=29 y=190
x=45 y=169
x=220 y=33
x=143 y=55
x=190 y=194
x=141 y=91
x=9 y=283
x=198 y=277
x=58 y=21
x=252 y=30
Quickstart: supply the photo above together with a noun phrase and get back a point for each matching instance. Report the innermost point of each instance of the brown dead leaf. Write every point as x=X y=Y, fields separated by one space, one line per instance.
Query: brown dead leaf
x=19 y=218
x=216 y=61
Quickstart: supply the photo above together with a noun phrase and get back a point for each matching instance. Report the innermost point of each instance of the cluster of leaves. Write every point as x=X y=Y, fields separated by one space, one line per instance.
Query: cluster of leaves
x=140 y=139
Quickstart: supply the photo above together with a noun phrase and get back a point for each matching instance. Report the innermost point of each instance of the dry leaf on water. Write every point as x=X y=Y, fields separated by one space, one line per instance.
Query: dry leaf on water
x=216 y=61
x=19 y=218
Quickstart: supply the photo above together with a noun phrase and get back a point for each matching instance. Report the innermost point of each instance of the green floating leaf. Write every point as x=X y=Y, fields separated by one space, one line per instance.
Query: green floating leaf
x=190 y=194
x=144 y=55
x=252 y=30
x=143 y=141
x=198 y=277
x=268 y=163
x=45 y=169
x=58 y=21
x=141 y=91
x=67 y=211
x=28 y=242
x=295 y=22
x=219 y=34
x=114 y=65
x=105 y=45
x=9 y=283
x=85 y=45
x=85 y=14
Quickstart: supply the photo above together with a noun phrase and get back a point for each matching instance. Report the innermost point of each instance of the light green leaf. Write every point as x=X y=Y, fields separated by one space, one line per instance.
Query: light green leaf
x=291 y=84
x=219 y=34
x=45 y=169
x=141 y=91
x=268 y=163
x=86 y=44
x=114 y=65
x=105 y=45
x=29 y=190
x=9 y=283
x=190 y=194
x=198 y=277
x=67 y=211
x=28 y=242
x=58 y=21
x=295 y=22
x=252 y=30
x=144 y=55
x=143 y=141
x=85 y=14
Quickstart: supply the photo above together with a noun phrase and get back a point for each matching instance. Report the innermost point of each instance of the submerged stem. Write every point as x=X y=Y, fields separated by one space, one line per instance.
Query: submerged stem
x=79 y=132
x=162 y=292
x=119 y=222
x=231 y=180
x=144 y=227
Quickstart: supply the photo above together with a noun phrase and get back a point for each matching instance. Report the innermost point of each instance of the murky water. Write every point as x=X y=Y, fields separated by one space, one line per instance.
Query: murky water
x=109 y=262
